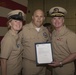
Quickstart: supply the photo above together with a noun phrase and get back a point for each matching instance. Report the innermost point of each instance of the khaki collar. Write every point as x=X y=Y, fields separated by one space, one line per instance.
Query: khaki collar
x=32 y=26
x=13 y=34
x=62 y=31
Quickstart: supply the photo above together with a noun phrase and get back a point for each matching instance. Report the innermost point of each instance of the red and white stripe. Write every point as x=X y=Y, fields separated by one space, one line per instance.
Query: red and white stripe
x=5 y=7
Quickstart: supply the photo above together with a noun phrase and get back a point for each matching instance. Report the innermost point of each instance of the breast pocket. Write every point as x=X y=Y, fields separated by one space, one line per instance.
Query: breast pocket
x=16 y=49
x=61 y=41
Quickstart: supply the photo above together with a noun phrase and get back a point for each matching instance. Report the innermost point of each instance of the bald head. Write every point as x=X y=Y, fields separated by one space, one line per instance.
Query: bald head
x=38 y=17
x=38 y=11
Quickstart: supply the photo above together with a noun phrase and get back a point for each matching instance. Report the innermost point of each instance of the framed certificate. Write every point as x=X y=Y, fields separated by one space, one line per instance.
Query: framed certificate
x=43 y=53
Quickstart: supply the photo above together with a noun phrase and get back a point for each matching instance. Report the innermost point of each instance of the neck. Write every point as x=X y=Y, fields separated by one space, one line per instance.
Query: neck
x=14 y=31
x=58 y=28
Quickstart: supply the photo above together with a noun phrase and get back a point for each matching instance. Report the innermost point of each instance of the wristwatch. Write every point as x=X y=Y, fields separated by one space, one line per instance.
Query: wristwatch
x=61 y=64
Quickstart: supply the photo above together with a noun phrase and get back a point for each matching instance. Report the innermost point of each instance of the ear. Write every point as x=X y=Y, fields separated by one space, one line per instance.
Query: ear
x=10 y=24
x=44 y=18
x=51 y=19
x=32 y=17
x=63 y=19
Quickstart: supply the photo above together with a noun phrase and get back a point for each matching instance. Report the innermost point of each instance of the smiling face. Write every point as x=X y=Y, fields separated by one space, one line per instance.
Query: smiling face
x=15 y=25
x=57 y=22
x=38 y=18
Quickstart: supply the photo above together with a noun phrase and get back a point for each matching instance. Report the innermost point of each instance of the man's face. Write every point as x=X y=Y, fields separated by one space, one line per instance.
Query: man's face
x=38 y=18
x=57 y=21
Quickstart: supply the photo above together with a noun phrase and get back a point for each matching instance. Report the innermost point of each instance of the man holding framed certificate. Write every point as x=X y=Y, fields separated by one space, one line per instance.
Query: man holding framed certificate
x=32 y=33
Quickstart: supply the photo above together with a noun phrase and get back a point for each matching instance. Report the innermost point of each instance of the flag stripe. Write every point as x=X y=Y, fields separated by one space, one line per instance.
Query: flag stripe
x=22 y=2
x=12 y=5
x=3 y=31
x=3 y=22
x=4 y=11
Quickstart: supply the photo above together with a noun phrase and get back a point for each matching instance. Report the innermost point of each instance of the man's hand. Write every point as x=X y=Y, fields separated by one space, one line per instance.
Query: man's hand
x=56 y=64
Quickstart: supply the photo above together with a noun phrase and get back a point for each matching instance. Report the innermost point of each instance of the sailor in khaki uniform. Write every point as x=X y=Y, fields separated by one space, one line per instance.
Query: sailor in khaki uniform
x=63 y=44
x=11 y=49
x=32 y=33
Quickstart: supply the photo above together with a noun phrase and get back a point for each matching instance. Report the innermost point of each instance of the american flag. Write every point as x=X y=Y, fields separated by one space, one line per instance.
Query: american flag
x=5 y=7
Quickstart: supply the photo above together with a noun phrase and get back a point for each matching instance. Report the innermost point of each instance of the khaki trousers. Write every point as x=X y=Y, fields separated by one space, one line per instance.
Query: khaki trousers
x=30 y=68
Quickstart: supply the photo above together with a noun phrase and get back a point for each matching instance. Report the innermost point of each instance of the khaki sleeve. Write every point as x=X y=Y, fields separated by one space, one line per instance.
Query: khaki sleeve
x=6 y=47
x=49 y=37
x=21 y=36
x=71 y=42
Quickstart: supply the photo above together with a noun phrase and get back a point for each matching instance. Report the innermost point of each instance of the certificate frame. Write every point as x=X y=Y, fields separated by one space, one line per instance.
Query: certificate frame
x=43 y=52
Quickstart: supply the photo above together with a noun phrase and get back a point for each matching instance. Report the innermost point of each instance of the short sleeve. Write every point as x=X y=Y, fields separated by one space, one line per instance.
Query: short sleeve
x=6 y=47
x=71 y=42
